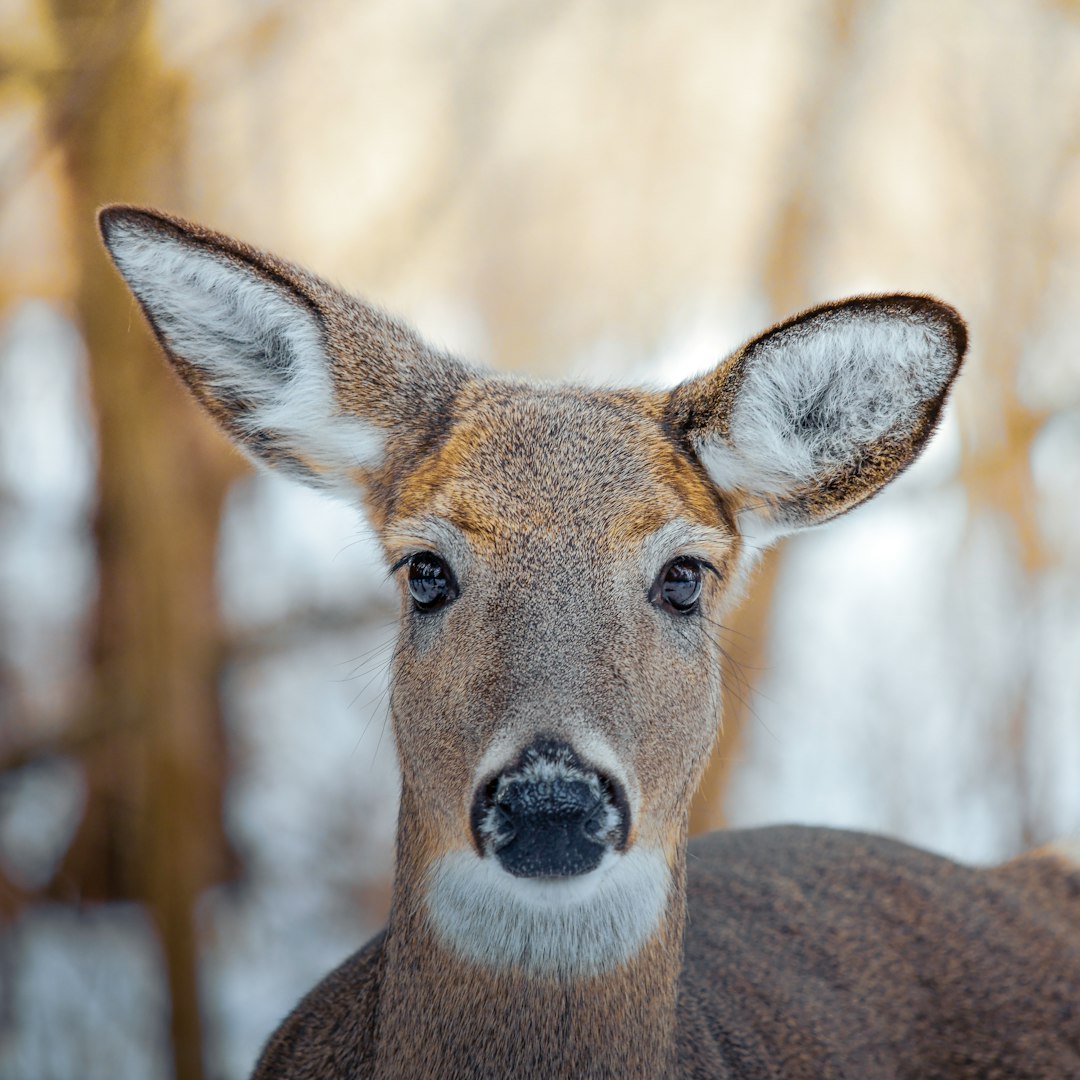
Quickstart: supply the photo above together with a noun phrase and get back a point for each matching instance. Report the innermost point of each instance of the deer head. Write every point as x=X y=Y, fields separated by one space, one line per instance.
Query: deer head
x=565 y=558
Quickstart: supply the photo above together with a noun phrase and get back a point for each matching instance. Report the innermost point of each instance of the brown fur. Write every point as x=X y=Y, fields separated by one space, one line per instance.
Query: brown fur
x=808 y=953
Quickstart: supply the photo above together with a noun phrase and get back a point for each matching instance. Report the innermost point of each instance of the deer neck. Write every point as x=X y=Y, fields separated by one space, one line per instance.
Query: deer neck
x=440 y=1014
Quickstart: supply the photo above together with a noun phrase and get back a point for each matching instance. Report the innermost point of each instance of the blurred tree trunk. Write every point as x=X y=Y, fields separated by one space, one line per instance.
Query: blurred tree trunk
x=152 y=830
x=787 y=281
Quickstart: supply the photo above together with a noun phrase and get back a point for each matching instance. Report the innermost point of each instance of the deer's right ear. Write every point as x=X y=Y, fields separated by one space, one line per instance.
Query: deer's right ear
x=303 y=377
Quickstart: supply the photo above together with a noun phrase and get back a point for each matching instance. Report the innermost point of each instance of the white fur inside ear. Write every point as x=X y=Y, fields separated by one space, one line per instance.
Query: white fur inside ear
x=259 y=349
x=813 y=395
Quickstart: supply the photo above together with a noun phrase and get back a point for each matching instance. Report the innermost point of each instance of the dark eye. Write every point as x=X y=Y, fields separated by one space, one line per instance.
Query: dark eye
x=679 y=585
x=430 y=582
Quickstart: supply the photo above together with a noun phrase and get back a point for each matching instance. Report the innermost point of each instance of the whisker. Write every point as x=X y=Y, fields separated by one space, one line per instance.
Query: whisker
x=374 y=706
x=726 y=629
x=380 y=645
x=382 y=668
x=738 y=682
x=368 y=665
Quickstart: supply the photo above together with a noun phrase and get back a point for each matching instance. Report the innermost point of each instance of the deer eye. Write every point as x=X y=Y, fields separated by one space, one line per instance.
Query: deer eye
x=431 y=584
x=679 y=585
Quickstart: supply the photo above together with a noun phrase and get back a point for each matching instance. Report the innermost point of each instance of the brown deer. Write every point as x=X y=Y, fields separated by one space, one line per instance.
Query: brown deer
x=565 y=556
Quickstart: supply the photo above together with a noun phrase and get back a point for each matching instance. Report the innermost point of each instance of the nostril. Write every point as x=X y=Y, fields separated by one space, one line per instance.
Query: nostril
x=502 y=828
x=485 y=823
x=616 y=810
x=598 y=820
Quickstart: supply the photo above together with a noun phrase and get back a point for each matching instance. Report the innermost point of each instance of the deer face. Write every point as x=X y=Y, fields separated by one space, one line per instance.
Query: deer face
x=565 y=558
x=556 y=685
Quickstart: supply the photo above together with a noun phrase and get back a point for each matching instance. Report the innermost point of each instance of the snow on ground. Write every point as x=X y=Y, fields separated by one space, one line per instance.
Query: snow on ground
x=87 y=997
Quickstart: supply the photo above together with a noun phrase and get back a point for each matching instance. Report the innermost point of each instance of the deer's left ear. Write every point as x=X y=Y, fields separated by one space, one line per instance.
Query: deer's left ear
x=818 y=414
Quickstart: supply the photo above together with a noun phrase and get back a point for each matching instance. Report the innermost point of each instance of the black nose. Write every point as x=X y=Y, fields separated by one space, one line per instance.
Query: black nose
x=549 y=815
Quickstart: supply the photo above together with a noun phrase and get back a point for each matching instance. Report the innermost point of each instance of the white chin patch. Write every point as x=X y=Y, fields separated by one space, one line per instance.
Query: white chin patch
x=564 y=927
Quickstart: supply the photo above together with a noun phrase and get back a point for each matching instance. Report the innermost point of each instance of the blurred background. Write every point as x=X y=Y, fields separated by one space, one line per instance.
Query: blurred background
x=197 y=787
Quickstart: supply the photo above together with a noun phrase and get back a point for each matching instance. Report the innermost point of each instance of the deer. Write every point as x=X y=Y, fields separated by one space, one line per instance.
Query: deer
x=566 y=555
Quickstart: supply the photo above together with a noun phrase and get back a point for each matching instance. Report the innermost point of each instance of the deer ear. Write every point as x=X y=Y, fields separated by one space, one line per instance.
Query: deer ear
x=818 y=414
x=301 y=376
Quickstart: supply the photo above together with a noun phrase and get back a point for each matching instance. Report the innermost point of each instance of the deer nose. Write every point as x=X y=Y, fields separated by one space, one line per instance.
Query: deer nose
x=549 y=828
x=549 y=815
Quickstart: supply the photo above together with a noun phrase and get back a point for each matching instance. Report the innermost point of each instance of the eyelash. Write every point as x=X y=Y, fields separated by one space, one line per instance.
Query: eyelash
x=403 y=561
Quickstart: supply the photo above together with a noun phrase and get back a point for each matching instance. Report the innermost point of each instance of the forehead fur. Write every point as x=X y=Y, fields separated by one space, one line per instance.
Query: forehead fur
x=560 y=462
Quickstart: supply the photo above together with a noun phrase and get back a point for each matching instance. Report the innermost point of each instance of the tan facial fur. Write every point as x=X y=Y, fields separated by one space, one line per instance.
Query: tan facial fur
x=553 y=633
